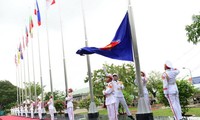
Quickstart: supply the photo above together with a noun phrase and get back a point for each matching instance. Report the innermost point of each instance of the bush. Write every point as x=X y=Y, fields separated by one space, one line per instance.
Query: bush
x=85 y=103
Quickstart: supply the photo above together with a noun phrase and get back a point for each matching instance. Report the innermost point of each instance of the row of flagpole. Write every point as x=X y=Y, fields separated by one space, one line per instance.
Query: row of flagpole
x=21 y=77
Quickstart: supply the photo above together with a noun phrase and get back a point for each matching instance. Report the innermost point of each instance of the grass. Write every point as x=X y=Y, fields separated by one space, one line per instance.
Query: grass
x=160 y=112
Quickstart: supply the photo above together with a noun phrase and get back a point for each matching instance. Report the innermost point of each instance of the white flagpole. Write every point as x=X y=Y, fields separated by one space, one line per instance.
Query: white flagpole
x=143 y=111
x=17 y=84
x=41 y=81
x=22 y=84
x=35 y=92
x=50 y=76
x=25 y=78
x=30 y=94
x=93 y=113
x=63 y=51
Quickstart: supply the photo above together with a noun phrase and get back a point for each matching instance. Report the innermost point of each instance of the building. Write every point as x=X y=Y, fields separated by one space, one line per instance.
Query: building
x=81 y=93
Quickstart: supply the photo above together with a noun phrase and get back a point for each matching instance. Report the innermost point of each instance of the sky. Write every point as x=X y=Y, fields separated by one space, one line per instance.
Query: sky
x=160 y=32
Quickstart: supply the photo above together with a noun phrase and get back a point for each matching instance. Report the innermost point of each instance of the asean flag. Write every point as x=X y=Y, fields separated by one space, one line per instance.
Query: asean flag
x=119 y=48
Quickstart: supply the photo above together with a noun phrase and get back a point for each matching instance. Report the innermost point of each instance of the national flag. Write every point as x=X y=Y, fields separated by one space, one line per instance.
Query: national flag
x=120 y=47
x=26 y=32
x=19 y=57
x=31 y=26
x=37 y=12
x=50 y=2
x=20 y=47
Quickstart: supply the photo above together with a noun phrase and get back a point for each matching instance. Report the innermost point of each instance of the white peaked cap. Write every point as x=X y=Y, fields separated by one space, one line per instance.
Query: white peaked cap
x=115 y=74
x=168 y=64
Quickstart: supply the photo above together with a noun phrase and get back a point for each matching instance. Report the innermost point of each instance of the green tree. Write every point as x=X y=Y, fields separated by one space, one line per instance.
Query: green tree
x=154 y=82
x=32 y=86
x=186 y=91
x=57 y=95
x=125 y=73
x=85 y=103
x=8 y=94
x=193 y=30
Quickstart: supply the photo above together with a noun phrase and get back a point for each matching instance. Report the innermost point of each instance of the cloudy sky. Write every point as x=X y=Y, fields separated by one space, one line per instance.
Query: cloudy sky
x=160 y=31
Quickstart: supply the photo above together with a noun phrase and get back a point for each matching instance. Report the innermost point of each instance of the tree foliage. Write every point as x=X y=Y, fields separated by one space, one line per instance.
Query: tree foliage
x=32 y=86
x=8 y=94
x=193 y=30
x=126 y=73
x=154 y=82
x=85 y=103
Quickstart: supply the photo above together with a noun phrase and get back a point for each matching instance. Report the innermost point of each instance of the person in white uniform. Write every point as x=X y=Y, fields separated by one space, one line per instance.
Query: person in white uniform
x=22 y=110
x=118 y=87
x=170 y=89
x=69 y=100
x=39 y=108
x=144 y=86
x=51 y=107
x=31 y=109
x=110 y=98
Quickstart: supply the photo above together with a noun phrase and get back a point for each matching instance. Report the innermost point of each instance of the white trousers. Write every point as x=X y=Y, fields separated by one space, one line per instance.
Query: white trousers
x=32 y=114
x=146 y=98
x=51 y=112
x=40 y=113
x=112 y=112
x=70 y=112
x=174 y=103
x=123 y=102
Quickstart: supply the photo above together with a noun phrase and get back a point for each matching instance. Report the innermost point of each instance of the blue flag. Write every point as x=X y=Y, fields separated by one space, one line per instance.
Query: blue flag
x=120 y=47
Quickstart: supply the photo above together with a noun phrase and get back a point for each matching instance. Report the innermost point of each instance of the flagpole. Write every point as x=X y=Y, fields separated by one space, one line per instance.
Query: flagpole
x=19 y=83
x=143 y=111
x=33 y=71
x=30 y=94
x=93 y=113
x=49 y=56
x=25 y=80
x=17 y=86
x=63 y=51
x=41 y=81
x=22 y=84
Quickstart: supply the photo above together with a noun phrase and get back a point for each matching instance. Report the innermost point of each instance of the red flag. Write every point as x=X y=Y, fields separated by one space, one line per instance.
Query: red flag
x=50 y=2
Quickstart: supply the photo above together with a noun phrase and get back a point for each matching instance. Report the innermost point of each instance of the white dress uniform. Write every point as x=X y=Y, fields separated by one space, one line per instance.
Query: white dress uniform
x=110 y=102
x=51 y=108
x=26 y=110
x=70 y=107
x=118 y=87
x=22 y=110
x=170 y=90
x=18 y=111
x=31 y=110
x=39 y=107
x=144 y=86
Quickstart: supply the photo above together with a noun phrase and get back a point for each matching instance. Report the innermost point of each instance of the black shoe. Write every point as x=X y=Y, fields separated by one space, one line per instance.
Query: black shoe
x=131 y=117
